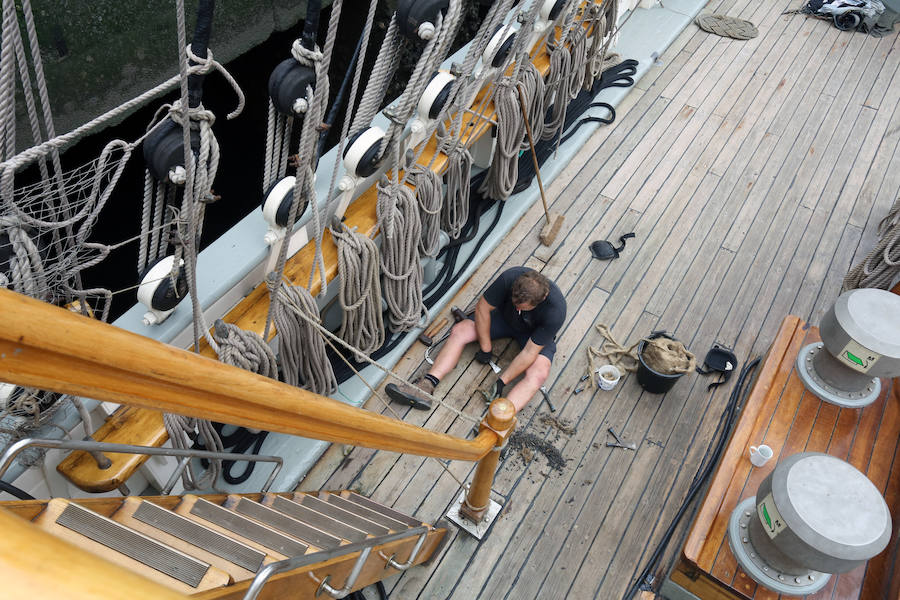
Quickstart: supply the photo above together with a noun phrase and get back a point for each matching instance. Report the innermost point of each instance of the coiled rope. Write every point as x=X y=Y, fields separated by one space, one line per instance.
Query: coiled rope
x=398 y=219
x=881 y=266
x=429 y=193
x=300 y=347
x=362 y=325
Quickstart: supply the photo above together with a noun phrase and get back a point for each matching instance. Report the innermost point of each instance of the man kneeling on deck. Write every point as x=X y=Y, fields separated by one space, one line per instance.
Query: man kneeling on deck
x=521 y=304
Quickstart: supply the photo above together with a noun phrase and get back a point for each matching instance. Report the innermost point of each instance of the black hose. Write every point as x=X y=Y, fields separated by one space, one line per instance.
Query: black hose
x=17 y=492
x=726 y=423
x=199 y=46
x=620 y=75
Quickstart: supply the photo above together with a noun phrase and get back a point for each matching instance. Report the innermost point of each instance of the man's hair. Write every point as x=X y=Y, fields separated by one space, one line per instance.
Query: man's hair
x=530 y=288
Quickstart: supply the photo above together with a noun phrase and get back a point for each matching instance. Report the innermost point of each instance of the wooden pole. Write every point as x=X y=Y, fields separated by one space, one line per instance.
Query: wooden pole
x=501 y=419
x=548 y=234
x=51 y=348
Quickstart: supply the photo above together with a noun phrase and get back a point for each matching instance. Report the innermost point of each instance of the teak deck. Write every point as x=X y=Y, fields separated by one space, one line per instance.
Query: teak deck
x=754 y=174
x=781 y=413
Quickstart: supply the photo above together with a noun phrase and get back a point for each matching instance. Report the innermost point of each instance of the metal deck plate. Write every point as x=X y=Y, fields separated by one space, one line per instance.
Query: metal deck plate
x=200 y=536
x=135 y=545
x=476 y=530
x=247 y=528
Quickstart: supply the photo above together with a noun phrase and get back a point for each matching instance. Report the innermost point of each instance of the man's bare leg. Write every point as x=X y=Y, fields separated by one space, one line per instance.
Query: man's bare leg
x=462 y=333
x=531 y=382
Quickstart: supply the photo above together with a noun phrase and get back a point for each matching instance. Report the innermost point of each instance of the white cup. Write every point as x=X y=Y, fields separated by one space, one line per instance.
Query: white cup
x=608 y=376
x=760 y=455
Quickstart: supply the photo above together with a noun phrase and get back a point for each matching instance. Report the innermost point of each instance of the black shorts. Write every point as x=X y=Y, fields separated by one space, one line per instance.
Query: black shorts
x=501 y=329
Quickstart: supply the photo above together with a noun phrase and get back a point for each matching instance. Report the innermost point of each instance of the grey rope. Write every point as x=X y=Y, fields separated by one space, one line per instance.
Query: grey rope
x=362 y=325
x=330 y=337
x=429 y=193
x=182 y=431
x=307 y=154
x=300 y=348
x=881 y=266
x=245 y=349
x=26 y=266
x=456 y=201
x=198 y=179
x=381 y=74
x=398 y=218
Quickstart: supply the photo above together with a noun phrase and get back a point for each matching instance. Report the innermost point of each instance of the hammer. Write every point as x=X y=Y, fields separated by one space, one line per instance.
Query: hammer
x=427 y=336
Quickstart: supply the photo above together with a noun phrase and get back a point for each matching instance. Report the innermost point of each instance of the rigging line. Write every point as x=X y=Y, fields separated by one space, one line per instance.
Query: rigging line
x=361 y=357
x=391 y=410
x=303 y=185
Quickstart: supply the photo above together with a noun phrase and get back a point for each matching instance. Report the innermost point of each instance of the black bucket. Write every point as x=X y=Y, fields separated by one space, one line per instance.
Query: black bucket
x=653 y=381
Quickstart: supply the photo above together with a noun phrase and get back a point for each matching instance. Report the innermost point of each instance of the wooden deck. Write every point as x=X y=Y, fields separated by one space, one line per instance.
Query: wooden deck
x=753 y=173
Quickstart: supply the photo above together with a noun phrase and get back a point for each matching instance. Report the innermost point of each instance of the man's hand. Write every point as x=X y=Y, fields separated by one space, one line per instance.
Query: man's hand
x=484 y=357
x=493 y=391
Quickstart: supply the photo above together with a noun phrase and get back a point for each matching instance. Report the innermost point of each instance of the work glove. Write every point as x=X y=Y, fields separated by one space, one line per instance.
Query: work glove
x=492 y=391
x=484 y=357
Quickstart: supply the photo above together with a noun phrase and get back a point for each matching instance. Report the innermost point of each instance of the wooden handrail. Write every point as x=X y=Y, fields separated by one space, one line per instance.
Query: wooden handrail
x=51 y=348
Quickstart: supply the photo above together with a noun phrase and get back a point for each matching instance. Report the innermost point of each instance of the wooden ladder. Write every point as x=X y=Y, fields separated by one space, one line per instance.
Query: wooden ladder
x=217 y=546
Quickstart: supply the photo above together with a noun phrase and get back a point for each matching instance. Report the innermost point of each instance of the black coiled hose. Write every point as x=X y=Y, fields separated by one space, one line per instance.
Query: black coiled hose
x=726 y=424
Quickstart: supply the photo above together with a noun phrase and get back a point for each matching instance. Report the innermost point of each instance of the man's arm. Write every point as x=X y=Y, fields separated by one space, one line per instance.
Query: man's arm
x=483 y=323
x=522 y=361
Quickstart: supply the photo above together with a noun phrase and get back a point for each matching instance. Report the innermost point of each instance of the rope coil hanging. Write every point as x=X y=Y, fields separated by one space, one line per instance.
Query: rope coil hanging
x=301 y=350
x=362 y=325
x=398 y=218
x=429 y=193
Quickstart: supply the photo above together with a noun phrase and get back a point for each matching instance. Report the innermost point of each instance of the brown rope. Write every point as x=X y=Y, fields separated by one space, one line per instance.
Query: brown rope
x=662 y=354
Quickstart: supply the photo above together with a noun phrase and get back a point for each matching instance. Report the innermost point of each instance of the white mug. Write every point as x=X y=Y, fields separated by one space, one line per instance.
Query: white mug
x=608 y=376
x=760 y=455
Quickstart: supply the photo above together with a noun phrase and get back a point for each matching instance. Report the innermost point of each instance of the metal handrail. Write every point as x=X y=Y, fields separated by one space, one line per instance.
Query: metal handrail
x=89 y=446
x=305 y=560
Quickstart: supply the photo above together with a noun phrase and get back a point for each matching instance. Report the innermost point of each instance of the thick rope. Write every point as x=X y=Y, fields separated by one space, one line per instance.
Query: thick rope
x=182 y=433
x=398 y=218
x=300 y=347
x=675 y=357
x=429 y=193
x=26 y=274
x=245 y=349
x=455 y=212
x=362 y=325
x=881 y=266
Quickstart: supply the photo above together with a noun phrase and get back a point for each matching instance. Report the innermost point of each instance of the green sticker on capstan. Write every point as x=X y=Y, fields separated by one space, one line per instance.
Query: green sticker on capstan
x=858 y=357
x=769 y=516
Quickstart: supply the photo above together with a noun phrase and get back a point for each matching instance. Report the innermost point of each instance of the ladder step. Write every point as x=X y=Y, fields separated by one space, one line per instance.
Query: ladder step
x=365 y=512
x=146 y=550
x=381 y=508
x=247 y=528
x=314 y=518
x=340 y=514
x=282 y=522
x=212 y=541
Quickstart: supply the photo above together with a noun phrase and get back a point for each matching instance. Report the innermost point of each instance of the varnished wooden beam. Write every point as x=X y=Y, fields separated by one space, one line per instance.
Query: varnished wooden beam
x=55 y=349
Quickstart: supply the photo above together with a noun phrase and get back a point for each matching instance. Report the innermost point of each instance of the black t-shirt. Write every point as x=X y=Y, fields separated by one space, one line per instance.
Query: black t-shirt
x=542 y=323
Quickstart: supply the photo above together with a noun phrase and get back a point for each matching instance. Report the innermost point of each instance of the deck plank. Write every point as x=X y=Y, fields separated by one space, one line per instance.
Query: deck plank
x=722 y=159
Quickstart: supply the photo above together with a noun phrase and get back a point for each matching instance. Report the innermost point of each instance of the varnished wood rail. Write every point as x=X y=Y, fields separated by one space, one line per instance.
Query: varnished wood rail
x=55 y=349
